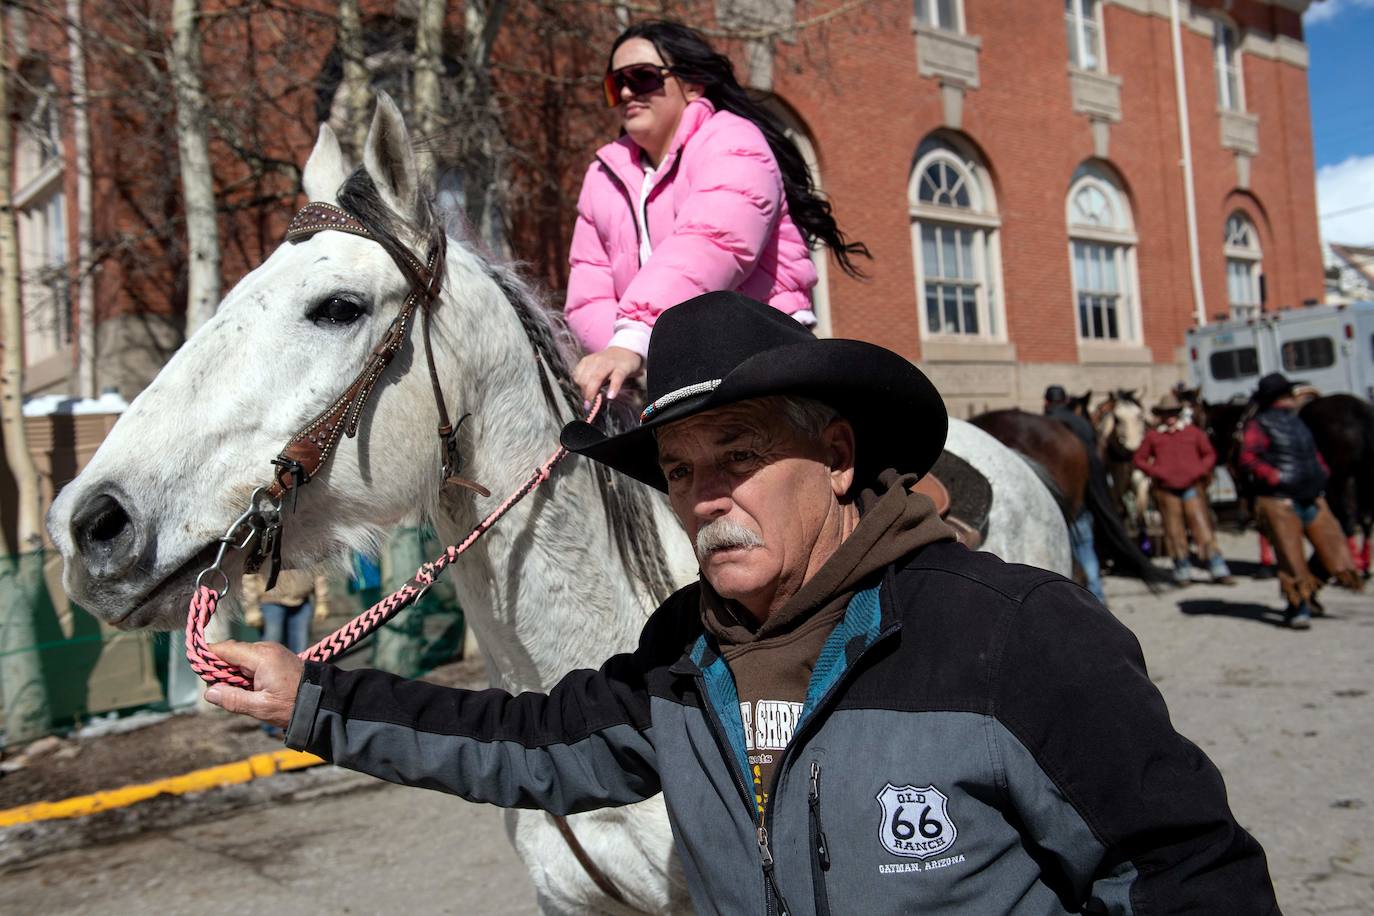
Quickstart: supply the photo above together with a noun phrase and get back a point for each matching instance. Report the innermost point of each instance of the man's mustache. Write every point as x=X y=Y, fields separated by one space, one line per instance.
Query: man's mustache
x=725 y=534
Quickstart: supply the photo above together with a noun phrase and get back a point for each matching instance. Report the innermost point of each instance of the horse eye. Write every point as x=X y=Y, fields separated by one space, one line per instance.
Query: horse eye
x=336 y=311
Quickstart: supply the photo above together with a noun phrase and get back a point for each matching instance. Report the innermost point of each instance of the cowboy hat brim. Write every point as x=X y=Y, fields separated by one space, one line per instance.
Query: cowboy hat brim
x=898 y=416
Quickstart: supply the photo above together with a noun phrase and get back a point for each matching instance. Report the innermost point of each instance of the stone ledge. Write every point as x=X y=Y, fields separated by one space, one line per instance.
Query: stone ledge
x=947 y=56
x=1093 y=353
x=1097 y=95
x=1239 y=131
x=946 y=350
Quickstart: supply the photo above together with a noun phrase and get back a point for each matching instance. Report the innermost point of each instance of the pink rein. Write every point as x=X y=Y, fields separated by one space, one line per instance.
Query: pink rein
x=215 y=670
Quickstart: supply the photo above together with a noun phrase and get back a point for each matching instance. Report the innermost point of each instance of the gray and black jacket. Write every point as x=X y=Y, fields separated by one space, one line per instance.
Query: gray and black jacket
x=978 y=737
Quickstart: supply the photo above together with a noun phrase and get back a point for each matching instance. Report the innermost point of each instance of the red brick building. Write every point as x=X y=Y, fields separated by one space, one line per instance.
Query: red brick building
x=1052 y=192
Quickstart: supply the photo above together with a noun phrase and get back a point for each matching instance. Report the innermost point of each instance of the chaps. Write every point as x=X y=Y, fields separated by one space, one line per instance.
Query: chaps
x=1280 y=523
x=1181 y=517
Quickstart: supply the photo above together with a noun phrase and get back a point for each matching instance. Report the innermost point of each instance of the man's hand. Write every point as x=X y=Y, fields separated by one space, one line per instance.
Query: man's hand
x=275 y=672
x=611 y=367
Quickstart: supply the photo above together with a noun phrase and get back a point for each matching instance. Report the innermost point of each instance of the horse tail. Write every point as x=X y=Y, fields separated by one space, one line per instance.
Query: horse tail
x=1112 y=539
x=1061 y=499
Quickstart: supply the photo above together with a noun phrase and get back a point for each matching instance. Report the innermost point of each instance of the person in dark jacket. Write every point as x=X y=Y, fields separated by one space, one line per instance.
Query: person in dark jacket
x=1289 y=475
x=1177 y=458
x=1081 y=530
x=849 y=712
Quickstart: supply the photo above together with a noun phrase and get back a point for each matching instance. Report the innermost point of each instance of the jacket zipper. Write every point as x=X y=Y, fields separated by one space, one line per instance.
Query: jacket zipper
x=814 y=717
x=820 y=848
x=776 y=902
x=773 y=895
x=630 y=198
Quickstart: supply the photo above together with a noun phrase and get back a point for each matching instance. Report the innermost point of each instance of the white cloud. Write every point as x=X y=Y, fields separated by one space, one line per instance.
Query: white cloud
x=1326 y=10
x=1347 y=189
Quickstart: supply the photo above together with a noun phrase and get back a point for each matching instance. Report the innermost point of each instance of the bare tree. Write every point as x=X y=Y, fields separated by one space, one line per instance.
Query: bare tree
x=197 y=175
x=482 y=137
x=428 y=63
x=355 y=78
x=21 y=574
x=81 y=142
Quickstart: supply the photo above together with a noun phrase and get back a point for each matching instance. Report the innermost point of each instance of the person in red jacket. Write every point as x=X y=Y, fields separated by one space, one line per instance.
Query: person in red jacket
x=1177 y=458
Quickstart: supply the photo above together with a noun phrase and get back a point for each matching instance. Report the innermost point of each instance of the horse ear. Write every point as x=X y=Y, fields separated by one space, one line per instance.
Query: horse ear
x=326 y=169
x=388 y=159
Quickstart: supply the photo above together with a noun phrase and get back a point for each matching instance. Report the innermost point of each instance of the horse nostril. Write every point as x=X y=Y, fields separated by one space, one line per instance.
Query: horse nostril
x=103 y=530
x=109 y=523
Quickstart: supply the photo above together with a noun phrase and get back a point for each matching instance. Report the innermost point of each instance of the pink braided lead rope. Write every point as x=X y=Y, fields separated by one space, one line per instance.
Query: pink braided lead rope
x=204 y=602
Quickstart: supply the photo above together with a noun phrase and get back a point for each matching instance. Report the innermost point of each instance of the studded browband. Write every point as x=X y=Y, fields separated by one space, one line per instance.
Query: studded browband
x=310 y=448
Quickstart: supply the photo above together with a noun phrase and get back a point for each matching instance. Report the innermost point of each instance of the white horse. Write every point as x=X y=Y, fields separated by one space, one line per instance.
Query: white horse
x=1121 y=429
x=566 y=579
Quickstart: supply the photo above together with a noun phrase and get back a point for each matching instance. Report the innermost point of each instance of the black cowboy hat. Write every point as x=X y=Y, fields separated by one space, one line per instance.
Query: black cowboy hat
x=721 y=348
x=1274 y=386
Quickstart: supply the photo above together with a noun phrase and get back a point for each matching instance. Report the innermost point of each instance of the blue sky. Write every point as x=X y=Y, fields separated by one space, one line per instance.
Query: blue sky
x=1340 y=37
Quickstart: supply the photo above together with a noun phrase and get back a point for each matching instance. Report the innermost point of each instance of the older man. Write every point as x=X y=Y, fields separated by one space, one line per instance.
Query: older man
x=849 y=712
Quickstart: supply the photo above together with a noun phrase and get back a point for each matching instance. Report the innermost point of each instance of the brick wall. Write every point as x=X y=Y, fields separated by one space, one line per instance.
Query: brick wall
x=858 y=90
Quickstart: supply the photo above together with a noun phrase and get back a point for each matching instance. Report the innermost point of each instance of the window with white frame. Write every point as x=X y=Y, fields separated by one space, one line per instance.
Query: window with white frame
x=939 y=14
x=1083 y=21
x=1226 y=54
x=41 y=208
x=1244 y=271
x=820 y=255
x=1102 y=245
x=954 y=229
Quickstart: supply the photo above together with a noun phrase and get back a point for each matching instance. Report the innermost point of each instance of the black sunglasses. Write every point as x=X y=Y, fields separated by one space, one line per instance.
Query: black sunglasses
x=640 y=79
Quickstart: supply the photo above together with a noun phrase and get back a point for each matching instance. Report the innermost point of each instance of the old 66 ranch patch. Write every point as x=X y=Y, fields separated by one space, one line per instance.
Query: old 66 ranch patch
x=916 y=821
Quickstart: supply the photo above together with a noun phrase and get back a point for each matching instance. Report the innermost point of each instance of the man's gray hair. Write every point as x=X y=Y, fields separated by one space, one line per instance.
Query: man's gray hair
x=807 y=416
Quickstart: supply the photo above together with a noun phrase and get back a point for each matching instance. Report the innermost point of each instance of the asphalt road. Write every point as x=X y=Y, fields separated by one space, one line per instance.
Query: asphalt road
x=1287 y=716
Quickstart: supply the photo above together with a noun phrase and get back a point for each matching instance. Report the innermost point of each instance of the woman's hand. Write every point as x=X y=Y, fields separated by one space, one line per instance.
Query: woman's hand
x=611 y=367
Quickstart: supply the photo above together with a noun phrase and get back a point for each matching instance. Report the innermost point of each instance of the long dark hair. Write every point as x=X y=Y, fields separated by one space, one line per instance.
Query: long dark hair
x=692 y=59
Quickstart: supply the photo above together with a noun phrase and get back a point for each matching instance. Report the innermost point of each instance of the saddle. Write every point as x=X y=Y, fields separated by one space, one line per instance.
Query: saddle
x=969 y=534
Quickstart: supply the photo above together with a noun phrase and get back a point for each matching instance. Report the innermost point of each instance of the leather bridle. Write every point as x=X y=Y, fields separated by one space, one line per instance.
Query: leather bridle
x=311 y=447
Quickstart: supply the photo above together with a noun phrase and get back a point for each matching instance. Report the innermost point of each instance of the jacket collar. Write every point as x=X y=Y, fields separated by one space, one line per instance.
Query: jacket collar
x=622 y=154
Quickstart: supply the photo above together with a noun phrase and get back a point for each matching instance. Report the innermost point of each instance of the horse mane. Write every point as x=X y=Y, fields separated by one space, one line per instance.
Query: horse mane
x=627 y=503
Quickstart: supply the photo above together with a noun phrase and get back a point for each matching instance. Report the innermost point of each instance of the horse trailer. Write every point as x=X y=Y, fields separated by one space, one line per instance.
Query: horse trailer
x=1330 y=347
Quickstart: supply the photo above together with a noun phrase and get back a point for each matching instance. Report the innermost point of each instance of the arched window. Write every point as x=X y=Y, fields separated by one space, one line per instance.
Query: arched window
x=954 y=228
x=820 y=255
x=1102 y=251
x=1244 y=273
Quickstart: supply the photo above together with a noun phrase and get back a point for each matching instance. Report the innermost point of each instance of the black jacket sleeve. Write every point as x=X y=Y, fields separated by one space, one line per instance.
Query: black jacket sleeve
x=586 y=744
x=1073 y=691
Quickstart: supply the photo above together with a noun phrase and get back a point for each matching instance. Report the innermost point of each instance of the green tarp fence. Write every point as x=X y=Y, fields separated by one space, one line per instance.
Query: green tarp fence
x=59 y=665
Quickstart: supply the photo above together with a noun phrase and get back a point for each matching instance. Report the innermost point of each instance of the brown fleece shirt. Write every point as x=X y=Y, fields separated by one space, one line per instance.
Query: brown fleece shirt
x=772 y=662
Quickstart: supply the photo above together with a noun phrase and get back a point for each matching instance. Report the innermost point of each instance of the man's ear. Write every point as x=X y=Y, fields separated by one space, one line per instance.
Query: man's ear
x=838 y=438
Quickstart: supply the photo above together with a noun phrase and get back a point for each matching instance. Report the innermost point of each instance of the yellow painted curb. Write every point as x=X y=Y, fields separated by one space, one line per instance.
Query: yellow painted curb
x=229 y=774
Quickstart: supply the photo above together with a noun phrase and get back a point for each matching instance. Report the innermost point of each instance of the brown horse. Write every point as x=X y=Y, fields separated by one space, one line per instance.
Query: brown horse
x=1073 y=473
x=1343 y=427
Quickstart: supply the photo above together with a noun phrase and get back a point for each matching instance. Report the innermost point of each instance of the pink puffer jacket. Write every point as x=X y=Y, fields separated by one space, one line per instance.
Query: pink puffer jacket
x=717 y=221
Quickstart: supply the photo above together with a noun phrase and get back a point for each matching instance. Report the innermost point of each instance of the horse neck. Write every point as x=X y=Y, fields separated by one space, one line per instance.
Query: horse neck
x=544 y=589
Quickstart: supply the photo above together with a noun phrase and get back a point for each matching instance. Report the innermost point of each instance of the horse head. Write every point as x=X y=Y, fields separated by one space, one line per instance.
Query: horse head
x=1079 y=405
x=142 y=520
x=1120 y=424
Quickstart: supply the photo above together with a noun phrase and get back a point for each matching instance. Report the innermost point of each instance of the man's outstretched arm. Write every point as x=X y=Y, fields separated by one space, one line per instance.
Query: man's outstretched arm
x=584 y=745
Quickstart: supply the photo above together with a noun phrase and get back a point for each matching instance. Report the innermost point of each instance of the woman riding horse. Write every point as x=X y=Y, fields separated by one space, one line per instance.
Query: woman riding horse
x=703 y=191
